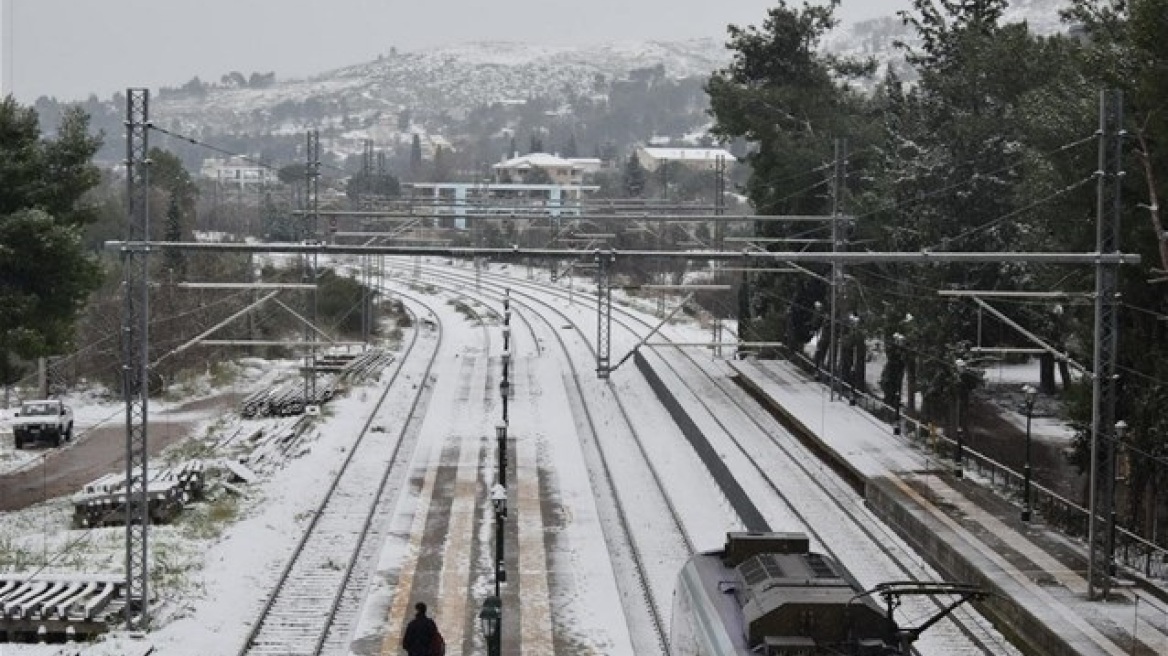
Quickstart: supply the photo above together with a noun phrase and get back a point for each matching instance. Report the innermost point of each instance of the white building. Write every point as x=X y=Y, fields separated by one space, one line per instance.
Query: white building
x=698 y=159
x=518 y=170
x=238 y=172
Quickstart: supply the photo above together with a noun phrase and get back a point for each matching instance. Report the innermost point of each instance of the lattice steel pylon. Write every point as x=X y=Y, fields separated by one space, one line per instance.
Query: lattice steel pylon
x=603 y=315
x=838 y=243
x=1101 y=536
x=135 y=357
x=311 y=233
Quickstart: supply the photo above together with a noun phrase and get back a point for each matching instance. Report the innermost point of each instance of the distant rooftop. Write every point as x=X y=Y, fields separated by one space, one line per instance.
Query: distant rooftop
x=689 y=154
x=535 y=160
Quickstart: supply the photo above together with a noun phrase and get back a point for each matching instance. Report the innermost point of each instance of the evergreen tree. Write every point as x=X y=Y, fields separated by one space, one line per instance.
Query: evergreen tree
x=169 y=176
x=1125 y=49
x=442 y=170
x=635 y=177
x=416 y=158
x=781 y=93
x=538 y=175
x=173 y=259
x=45 y=274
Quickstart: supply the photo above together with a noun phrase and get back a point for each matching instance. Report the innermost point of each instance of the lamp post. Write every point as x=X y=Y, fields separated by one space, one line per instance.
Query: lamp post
x=499 y=503
x=959 y=449
x=491 y=621
x=854 y=383
x=1031 y=397
x=1120 y=432
x=898 y=340
x=505 y=386
x=818 y=360
x=501 y=435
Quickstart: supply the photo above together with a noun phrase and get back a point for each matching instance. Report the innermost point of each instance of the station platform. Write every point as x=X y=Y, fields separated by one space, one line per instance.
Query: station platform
x=1037 y=576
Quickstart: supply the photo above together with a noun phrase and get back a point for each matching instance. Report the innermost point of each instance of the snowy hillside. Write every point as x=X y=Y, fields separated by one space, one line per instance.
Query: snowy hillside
x=434 y=92
x=877 y=38
x=450 y=80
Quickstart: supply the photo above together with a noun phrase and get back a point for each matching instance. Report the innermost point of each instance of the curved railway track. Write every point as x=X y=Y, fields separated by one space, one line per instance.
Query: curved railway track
x=643 y=548
x=307 y=601
x=965 y=632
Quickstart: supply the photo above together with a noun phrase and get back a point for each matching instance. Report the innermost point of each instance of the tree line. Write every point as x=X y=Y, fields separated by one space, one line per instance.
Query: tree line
x=991 y=148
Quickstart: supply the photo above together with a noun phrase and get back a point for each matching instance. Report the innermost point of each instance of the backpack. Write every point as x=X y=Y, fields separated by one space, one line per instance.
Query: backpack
x=437 y=644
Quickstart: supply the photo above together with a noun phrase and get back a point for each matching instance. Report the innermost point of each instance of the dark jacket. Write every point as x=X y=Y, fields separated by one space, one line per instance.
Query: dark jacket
x=419 y=634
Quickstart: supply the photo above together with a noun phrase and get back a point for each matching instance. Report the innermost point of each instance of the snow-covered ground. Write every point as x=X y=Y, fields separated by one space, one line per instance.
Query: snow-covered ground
x=215 y=565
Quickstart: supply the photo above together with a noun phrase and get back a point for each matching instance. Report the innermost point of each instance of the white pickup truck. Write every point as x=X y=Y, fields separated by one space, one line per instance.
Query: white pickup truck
x=48 y=420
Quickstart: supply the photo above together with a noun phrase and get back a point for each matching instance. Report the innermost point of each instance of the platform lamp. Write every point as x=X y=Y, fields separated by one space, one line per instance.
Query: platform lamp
x=897 y=339
x=853 y=385
x=499 y=503
x=501 y=435
x=959 y=448
x=491 y=623
x=505 y=385
x=1120 y=432
x=1031 y=396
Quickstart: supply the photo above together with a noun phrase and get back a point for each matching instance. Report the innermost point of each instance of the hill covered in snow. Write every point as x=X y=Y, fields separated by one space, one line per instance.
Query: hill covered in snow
x=488 y=91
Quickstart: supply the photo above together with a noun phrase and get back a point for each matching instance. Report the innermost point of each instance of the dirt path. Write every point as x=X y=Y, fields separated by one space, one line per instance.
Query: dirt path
x=100 y=451
x=999 y=439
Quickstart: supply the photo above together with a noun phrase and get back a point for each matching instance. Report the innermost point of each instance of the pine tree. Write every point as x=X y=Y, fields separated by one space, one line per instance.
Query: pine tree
x=416 y=158
x=173 y=259
x=783 y=94
x=46 y=271
x=635 y=177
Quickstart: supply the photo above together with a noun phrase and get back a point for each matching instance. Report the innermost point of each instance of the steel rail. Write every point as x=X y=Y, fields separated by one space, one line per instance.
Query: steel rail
x=327 y=617
x=652 y=603
x=814 y=476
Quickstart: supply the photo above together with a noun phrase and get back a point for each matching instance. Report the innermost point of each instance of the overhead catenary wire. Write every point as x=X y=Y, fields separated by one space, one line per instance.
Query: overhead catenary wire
x=88 y=349
x=947 y=241
x=229 y=153
x=968 y=181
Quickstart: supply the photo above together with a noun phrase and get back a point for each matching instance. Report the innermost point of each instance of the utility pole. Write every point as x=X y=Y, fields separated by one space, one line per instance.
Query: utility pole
x=603 y=315
x=1104 y=383
x=719 y=239
x=365 y=201
x=312 y=216
x=135 y=357
x=838 y=243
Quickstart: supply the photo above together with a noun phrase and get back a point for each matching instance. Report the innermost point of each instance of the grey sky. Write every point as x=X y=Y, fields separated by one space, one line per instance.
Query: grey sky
x=71 y=48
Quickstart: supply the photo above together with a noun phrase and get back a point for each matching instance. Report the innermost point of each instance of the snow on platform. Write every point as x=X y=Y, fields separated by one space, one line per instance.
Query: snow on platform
x=1037 y=576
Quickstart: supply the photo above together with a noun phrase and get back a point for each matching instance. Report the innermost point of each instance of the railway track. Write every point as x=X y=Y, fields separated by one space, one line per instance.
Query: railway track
x=653 y=556
x=870 y=552
x=311 y=599
x=815 y=496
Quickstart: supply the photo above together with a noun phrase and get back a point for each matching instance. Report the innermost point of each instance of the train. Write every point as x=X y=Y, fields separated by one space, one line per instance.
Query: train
x=768 y=594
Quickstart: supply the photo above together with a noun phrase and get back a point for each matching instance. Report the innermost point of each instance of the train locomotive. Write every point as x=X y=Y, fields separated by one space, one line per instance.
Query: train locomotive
x=768 y=594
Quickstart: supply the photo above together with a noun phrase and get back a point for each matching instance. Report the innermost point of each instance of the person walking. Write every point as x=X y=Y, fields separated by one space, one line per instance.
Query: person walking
x=419 y=637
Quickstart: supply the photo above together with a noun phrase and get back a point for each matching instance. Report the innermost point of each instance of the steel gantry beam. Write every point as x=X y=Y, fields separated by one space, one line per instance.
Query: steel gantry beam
x=135 y=354
x=768 y=257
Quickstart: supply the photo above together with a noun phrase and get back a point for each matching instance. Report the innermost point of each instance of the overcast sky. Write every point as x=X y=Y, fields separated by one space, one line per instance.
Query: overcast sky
x=71 y=48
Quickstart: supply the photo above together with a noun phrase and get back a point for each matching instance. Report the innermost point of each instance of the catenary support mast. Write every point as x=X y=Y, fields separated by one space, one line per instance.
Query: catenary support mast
x=311 y=234
x=1104 y=385
x=135 y=357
